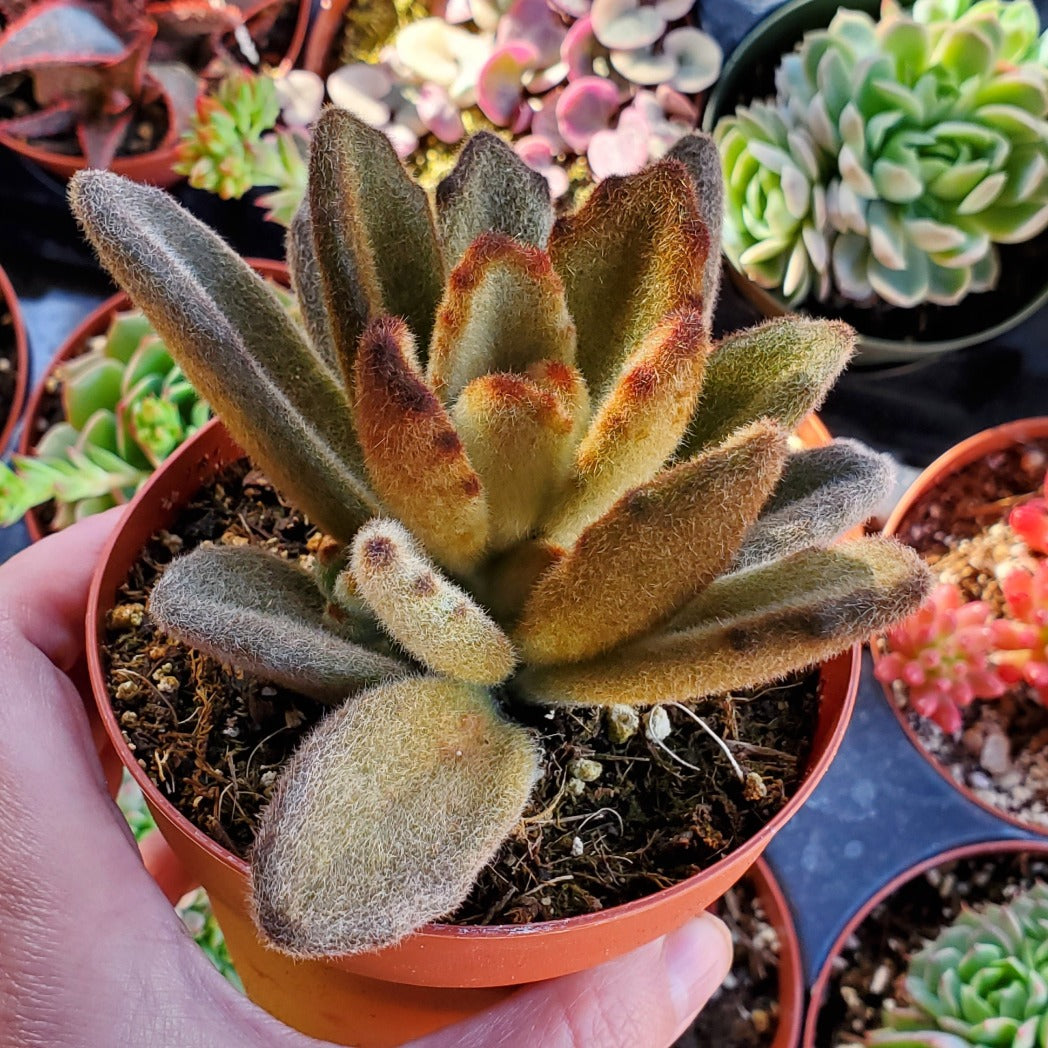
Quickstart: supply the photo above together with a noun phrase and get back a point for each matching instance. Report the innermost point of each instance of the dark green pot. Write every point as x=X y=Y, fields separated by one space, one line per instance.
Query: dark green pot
x=923 y=332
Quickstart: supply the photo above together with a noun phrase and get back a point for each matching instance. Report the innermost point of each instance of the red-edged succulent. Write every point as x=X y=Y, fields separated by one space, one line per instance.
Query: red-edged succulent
x=97 y=67
x=1022 y=637
x=1030 y=521
x=943 y=654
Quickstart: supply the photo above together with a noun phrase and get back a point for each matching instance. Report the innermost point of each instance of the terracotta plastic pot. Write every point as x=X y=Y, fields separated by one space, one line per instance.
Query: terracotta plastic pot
x=791 y=973
x=443 y=972
x=21 y=361
x=975 y=320
x=153 y=168
x=959 y=456
x=97 y=323
x=967 y=851
x=323 y=36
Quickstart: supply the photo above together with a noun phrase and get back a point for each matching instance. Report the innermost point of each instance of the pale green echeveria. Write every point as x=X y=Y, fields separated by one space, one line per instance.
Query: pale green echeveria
x=776 y=202
x=983 y=981
x=931 y=134
x=126 y=405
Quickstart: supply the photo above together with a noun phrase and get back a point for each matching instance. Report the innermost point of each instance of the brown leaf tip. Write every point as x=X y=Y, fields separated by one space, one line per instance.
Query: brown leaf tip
x=379 y=552
x=490 y=248
x=386 y=349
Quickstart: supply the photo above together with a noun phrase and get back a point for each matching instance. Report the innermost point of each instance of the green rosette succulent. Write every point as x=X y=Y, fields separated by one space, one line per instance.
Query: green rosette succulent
x=126 y=405
x=896 y=156
x=983 y=981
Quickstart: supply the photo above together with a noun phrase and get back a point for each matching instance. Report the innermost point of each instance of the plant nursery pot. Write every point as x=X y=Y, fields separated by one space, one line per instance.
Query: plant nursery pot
x=20 y=361
x=956 y=458
x=821 y=985
x=979 y=318
x=155 y=167
x=443 y=972
x=323 y=35
x=790 y=975
x=96 y=323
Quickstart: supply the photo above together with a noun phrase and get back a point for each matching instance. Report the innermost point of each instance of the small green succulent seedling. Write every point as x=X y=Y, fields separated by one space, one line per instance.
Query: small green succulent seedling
x=541 y=482
x=982 y=981
x=125 y=407
x=232 y=145
x=895 y=156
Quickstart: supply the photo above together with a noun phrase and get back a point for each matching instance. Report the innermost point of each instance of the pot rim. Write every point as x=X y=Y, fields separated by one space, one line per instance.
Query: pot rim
x=791 y=977
x=963 y=851
x=322 y=38
x=843 y=671
x=949 y=462
x=154 y=167
x=763 y=298
x=95 y=323
x=21 y=360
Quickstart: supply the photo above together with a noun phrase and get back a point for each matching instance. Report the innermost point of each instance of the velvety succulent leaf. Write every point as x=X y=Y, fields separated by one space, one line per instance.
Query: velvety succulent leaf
x=698 y=153
x=234 y=341
x=780 y=369
x=677 y=533
x=749 y=628
x=822 y=492
x=503 y=310
x=520 y=438
x=414 y=455
x=430 y=617
x=385 y=815
x=373 y=231
x=263 y=615
x=635 y=251
x=308 y=283
x=491 y=190
x=638 y=424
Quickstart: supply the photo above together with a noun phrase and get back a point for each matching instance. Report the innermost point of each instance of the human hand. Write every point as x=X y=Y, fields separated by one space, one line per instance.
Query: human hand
x=91 y=952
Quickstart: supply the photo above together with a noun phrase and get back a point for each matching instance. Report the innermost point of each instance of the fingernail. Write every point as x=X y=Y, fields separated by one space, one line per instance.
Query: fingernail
x=697 y=958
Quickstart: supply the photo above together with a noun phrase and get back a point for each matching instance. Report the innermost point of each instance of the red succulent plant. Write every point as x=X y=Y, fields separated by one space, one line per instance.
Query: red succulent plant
x=96 y=67
x=942 y=654
x=1030 y=521
x=1022 y=637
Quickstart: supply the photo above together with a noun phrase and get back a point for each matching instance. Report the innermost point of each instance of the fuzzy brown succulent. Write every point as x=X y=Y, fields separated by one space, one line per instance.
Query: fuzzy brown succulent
x=542 y=480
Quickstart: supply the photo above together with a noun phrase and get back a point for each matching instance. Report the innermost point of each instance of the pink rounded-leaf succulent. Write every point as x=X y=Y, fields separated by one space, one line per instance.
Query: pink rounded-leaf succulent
x=1022 y=637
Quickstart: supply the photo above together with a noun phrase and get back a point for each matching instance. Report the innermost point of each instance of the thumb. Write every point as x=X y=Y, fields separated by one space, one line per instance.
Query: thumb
x=643 y=1000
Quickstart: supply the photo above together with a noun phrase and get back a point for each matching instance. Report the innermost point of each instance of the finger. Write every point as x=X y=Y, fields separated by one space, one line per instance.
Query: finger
x=165 y=867
x=43 y=589
x=643 y=1000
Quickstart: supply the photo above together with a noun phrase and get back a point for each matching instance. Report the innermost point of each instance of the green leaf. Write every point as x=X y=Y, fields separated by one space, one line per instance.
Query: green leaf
x=235 y=342
x=386 y=814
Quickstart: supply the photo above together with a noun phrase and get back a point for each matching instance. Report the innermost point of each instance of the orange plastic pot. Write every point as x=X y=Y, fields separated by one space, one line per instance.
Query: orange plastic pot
x=156 y=167
x=97 y=323
x=442 y=973
x=791 y=974
x=21 y=361
x=322 y=38
x=960 y=455
x=967 y=851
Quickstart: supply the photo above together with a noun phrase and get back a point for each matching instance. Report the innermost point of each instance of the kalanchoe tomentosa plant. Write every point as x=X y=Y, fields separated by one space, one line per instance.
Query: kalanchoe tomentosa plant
x=895 y=156
x=540 y=478
x=126 y=406
x=982 y=981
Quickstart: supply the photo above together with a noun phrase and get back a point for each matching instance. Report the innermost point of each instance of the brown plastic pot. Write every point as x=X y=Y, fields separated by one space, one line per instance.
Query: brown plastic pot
x=96 y=323
x=21 y=361
x=322 y=38
x=791 y=974
x=442 y=973
x=960 y=455
x=156 y=167
x=967 y=851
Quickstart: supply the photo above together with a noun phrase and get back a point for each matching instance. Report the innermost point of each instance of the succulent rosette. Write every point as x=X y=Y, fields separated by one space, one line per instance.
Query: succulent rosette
x=931 y=146
x=982 y=981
